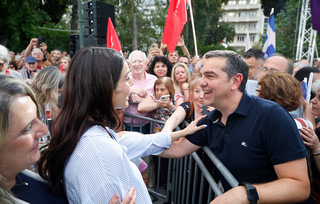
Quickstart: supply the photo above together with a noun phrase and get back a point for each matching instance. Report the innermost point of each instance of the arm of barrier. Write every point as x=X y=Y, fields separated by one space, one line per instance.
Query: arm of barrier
x=224 y=171
x=207 y=175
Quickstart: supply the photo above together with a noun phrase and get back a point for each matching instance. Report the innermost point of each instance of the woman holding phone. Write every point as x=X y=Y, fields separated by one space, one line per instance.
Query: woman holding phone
x=163 y=103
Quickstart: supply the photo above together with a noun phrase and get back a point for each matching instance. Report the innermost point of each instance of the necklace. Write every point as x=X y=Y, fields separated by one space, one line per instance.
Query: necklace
x=22 y=182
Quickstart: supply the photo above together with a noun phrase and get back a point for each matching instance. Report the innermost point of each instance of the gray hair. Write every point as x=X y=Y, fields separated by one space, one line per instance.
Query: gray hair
x=234 y=64
x=290 y=65
x=4 y=54
x=136 y=52
x=36 y=49
x=315 y=86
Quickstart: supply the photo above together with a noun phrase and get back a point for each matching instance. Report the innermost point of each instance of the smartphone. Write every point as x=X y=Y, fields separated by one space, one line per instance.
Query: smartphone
x=40 y=40
x=164 y=98
x=154 y=46
x=205 y=110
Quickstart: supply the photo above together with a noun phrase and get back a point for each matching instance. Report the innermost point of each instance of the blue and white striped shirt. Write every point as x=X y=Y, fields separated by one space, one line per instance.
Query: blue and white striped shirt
x=100 y=166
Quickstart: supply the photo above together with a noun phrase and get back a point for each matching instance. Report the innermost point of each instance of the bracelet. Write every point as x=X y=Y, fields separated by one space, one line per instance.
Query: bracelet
x=317 y=154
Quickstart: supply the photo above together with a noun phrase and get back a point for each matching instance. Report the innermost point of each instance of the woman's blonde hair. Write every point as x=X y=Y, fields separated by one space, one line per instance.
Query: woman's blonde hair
x=175 y=82
x=46 y=88
x=194 y=83
x=10 y=89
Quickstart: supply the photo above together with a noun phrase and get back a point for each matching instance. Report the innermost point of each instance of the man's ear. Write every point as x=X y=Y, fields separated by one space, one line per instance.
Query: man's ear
x=236 y=81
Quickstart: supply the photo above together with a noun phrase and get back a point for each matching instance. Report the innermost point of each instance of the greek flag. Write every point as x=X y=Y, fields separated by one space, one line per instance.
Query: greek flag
x=269 y=47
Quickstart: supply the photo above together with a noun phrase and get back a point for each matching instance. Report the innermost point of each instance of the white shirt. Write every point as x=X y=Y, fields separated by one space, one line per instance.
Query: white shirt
x=100 y=167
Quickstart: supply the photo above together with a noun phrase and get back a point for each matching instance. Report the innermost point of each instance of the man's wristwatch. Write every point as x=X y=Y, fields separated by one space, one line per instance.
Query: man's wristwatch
x=252 y=193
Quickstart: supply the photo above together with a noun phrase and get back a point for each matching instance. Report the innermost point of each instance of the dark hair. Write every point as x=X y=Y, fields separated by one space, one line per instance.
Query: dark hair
x=185 y=56
x=92 y=77
x=234 y=64
x=162 y=59
x=253 y=52
x=13 y=64
x=305 y=72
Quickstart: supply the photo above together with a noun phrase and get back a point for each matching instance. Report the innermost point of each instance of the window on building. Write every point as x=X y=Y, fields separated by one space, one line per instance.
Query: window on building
x=240 y=38
x=242 y=2
x=252 y=38
x=232 y=2
x=241 y=27
x=242 y=14
x=231 y=14
x=253 y=1
x=252 y=14
x=252 y=26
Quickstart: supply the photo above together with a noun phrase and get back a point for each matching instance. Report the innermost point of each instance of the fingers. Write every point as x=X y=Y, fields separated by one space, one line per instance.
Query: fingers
x=131 y=197
x=200 y=118
x=115 y=199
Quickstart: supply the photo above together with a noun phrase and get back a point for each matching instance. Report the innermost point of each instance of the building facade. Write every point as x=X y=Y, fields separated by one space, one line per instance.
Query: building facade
x=247 y=16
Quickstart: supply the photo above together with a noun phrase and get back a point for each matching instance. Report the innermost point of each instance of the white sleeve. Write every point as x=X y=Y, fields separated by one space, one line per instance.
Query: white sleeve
x=138 y=145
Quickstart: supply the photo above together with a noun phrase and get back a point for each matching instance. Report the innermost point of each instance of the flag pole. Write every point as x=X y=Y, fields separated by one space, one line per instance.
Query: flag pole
x=193 y=30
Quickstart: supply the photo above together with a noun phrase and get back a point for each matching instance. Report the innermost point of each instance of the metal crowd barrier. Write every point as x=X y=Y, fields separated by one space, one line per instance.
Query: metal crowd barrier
x=191 y=179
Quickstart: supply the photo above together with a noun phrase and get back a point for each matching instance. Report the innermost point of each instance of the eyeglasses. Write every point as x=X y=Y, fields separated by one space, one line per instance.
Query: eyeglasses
x=37 y=53
x=266 y=69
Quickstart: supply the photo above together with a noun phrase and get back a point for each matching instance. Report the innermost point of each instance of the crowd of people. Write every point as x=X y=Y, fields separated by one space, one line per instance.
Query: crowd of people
x=64 y=120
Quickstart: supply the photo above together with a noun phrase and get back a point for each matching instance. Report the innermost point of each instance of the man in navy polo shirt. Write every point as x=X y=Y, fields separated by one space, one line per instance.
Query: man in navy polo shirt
x=256 y=139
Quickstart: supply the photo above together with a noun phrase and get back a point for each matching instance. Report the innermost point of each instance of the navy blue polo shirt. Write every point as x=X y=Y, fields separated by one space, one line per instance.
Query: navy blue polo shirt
x=259 y=134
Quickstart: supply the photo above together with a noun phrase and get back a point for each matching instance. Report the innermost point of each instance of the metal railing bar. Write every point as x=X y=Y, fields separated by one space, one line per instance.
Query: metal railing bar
x=206 y=173
x=223 y=170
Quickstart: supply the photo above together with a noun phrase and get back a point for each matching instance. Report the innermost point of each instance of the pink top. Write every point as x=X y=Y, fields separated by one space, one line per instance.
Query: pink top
x=148 y=87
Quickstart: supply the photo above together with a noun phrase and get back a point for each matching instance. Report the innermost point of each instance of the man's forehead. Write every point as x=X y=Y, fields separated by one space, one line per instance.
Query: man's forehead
x=213 y=63
x=137 y=56
x=276 y=62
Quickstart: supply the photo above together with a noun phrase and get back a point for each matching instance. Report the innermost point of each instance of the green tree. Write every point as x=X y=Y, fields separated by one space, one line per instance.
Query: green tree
x=209 y=31
x=137 y=25
x=22 y=19
x=287 y=28
x=267 y=5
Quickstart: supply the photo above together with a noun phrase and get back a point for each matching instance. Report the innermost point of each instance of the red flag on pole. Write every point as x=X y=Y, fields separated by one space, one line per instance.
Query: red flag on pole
x=113 y=41
x=176 y=18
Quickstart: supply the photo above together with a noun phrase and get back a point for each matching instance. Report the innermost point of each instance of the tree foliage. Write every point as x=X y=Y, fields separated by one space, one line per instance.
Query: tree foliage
x=267 y=5
x=287 y=29
x=21 y=21
x=209 y=31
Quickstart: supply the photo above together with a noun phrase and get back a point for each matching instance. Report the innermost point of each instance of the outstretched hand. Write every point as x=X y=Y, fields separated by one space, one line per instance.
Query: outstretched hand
x=192 y=128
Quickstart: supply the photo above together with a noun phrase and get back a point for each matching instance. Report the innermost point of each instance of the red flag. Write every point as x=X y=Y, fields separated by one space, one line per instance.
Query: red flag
x=176 y=18
x=113 y=41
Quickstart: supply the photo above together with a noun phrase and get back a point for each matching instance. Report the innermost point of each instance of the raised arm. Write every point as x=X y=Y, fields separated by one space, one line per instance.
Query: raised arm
x=138 y=145
x=147 y=105
x=175 y=119
x=32 y=44
x=183 y=47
